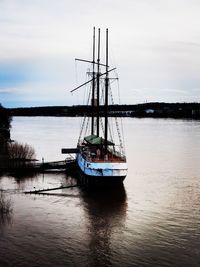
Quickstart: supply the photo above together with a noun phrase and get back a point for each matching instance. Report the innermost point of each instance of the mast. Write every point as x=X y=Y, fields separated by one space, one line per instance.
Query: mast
x=106 y=96
x=98 y=80
x=93 y=83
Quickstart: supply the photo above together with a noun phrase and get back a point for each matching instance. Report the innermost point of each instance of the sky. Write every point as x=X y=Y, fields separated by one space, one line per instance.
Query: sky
x=154 y=44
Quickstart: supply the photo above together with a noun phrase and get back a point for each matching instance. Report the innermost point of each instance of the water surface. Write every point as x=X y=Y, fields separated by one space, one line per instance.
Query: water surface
x=153 y=220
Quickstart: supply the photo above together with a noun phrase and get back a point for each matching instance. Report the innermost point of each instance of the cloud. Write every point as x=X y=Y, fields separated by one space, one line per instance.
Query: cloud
x=8 y=90
x=155 y=43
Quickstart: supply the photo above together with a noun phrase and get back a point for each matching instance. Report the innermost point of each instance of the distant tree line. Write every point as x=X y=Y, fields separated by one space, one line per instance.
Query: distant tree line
x=5 y=120
x=155 y=110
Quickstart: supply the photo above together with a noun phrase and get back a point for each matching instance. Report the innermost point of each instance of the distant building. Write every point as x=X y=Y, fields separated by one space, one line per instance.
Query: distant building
x=195 y=112
x=149 y=111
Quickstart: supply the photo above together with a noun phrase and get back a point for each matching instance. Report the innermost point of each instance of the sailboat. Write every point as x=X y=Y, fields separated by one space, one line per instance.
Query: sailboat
x=99 y=159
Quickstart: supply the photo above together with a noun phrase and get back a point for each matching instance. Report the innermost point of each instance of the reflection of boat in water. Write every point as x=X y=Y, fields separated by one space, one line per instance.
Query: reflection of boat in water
x=99 y=157
x=105 y=211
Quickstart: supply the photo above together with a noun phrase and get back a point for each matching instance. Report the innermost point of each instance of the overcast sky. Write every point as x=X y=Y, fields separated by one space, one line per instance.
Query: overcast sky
x=155 y=45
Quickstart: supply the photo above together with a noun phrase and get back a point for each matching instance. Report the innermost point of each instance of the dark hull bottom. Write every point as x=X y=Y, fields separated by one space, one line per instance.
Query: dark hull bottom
x=99 y=181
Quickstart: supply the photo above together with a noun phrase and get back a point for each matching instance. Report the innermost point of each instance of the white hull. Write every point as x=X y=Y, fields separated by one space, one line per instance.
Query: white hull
x=102 y=169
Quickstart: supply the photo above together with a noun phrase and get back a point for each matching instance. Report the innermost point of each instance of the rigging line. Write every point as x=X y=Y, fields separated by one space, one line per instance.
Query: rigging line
x=82 y=127
x=101 y=122
x=76 y=72
x=122 y=128
x=80 y=136
x=110 y=125
x=102 y=101
x=84 y=119
x=87 y=126
x=76 y=79
x=89 y=93
x=119 y=99
x=89 y=61
x=116 y=122
x=112 y=80
x=86 y=92
x=102 y=91
x=112 y=57
x=110 y=132
x=91 y=80
x=119 y=135
x=95 y=125
x=88 y=120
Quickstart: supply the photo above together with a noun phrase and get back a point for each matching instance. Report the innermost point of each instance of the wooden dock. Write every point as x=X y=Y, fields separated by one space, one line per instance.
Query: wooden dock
x=19 y=166
x=55 y=164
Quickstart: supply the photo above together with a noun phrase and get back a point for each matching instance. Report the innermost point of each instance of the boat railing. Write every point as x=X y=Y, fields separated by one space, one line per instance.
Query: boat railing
x=113 y=155
x=117 y=153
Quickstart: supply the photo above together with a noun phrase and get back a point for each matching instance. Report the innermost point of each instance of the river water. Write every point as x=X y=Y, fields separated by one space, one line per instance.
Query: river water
x=153 y=220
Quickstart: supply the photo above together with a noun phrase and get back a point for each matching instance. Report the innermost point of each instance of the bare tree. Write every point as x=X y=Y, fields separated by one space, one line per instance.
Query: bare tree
x=21 y=151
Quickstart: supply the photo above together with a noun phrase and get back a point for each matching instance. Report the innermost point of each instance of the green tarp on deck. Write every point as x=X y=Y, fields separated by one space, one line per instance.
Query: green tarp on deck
x=96 y=140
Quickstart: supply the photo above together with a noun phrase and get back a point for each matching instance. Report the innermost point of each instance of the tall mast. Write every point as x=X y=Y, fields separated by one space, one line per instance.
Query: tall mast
x=93 y=83
x=106 y=96
x=98 y=80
